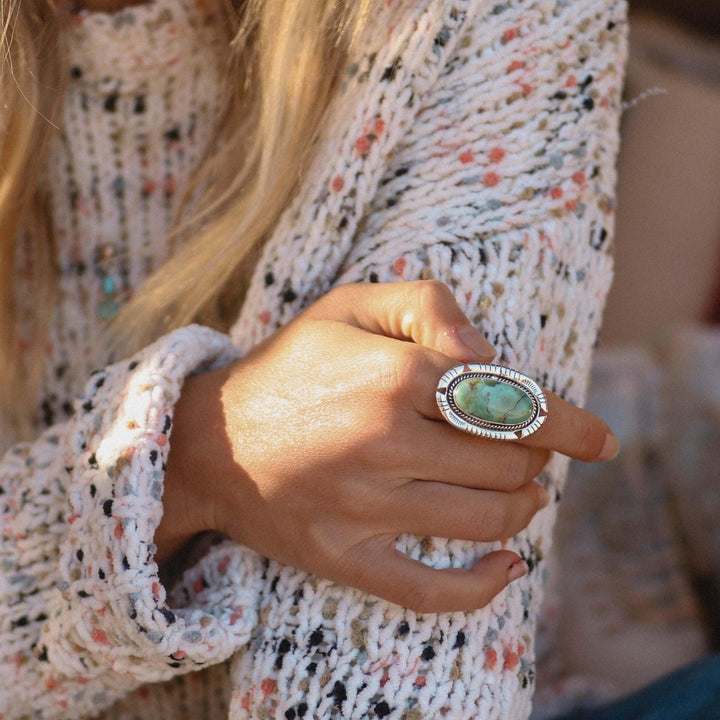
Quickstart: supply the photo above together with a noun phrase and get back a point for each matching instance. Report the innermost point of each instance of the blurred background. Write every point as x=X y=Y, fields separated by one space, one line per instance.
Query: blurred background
x=638 y=563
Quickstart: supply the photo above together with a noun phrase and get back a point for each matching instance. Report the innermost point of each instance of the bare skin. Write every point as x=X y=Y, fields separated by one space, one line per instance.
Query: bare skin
x=325 y=443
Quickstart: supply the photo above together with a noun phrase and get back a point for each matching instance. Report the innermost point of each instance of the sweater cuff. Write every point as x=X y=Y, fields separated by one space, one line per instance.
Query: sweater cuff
x=110 y=610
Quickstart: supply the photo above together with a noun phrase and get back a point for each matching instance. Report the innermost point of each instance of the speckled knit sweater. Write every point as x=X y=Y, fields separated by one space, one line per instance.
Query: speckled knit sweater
x=474 y=142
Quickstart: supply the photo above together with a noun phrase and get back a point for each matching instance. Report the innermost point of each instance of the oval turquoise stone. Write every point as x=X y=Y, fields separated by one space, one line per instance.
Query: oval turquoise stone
x=493 y=400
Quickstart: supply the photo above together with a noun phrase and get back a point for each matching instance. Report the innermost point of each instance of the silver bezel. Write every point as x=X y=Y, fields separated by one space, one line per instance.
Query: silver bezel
x=483 y=428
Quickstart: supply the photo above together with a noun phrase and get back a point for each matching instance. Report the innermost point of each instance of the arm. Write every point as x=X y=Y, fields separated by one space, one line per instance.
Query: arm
x=502 y=187
x=83 y=616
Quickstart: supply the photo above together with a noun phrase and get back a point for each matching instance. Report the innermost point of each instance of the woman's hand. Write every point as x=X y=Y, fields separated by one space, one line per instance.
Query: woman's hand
x=325 y=443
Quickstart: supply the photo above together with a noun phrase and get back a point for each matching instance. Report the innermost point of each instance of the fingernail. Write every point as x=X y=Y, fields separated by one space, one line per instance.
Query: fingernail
x=474 y=340
x=610 y=449
x=517 y=570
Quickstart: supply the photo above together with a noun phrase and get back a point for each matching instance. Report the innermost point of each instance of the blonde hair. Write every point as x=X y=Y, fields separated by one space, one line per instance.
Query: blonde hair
x=285 y=58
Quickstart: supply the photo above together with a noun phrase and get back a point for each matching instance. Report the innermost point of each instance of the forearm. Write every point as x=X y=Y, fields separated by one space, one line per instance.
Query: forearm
x=83 y=616
x=501 y=187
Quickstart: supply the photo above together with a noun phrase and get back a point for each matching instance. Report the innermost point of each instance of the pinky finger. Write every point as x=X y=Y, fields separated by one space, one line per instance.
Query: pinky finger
x=412 y=584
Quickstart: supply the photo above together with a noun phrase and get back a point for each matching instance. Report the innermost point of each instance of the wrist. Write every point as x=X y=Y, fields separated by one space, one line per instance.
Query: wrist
x=198 y=431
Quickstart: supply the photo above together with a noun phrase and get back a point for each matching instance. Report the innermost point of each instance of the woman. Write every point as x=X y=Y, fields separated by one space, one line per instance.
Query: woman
x=455 y=141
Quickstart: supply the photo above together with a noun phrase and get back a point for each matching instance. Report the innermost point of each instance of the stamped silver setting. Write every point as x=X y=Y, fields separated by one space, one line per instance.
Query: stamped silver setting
x=492 y=430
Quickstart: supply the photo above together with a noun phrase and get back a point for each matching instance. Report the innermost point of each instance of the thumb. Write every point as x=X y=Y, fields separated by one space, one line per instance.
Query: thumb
x=424 y=312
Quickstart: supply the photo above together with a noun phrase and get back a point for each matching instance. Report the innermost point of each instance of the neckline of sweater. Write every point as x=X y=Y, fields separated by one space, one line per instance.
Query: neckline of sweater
x=121 y=49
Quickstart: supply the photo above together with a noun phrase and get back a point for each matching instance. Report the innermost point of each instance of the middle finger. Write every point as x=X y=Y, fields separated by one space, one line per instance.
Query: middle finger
x=567 y=429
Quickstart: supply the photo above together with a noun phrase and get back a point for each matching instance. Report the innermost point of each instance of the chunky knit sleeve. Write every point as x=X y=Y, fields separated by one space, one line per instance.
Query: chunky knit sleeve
x=83 y=615
x=498 y=179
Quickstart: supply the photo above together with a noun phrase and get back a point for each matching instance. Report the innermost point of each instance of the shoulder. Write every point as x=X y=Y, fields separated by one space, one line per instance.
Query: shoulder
x=415 y=42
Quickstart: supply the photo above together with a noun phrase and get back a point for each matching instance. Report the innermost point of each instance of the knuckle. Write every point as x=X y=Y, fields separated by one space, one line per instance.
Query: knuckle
x=350 y=560
x=344 y=556
x=381 y=447
x=496 y=520
x=527 y=502
x=403 y=370
x=536 y=502
x=343 y=291
x=517 y=467
x=322 y=304
x=433 y=293
x=507 y=520
x=534 y=463
x=591 y=439
x=538 y=461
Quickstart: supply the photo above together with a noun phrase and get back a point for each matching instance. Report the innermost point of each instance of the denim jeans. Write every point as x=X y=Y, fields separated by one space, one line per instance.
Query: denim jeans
x=692 y=693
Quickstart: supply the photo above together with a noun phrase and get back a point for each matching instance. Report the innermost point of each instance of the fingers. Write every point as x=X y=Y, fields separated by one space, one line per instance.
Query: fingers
x=391 y=575
x=574 y=432
x=440 y=452
x=450 y=511
x=424 y=312
x=567 y=429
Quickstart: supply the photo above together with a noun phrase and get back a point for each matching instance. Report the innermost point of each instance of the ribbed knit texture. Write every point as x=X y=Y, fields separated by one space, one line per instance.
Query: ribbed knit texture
x=139 y=113
x=473 y=142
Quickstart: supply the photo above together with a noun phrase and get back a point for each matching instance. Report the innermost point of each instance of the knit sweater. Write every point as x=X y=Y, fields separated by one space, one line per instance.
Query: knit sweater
x=473 y=142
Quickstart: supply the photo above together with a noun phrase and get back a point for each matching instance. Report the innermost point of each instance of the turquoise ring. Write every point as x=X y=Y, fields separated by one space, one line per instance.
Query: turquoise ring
x=491 y=401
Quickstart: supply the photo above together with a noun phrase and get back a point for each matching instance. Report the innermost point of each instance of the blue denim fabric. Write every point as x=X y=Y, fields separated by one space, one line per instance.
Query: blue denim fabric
x=692 y=693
